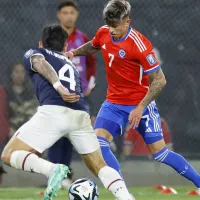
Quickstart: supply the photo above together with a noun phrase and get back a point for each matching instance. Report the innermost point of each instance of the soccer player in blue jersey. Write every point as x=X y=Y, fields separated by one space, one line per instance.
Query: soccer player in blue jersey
x=61 y=114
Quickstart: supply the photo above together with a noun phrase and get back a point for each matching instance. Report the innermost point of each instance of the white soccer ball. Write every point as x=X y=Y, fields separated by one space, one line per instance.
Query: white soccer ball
x=83 y=189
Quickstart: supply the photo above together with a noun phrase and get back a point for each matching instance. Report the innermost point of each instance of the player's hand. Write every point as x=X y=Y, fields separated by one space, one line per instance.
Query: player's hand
x=135 y=116
x=66 y=95
x=69 y=55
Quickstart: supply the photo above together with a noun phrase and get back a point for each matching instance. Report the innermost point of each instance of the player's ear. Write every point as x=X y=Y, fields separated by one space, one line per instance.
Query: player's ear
x=40 y=44
x=128 y=21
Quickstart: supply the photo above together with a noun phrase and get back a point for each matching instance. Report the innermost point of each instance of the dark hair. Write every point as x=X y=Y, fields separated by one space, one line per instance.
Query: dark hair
x=116 y=11
x=67 y=4
x=54 y=37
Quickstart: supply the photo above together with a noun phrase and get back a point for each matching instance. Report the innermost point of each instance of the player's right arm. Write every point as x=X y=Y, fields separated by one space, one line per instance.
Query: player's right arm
x=43 y=67
x=40 y=65
x=85 y=50
x=35 y=61
x=88 y=48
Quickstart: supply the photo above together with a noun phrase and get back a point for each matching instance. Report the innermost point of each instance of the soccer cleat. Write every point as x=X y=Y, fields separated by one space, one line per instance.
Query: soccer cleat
x=61 y=172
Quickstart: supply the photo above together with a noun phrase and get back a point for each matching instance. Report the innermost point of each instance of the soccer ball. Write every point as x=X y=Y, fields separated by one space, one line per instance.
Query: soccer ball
x=83 y=189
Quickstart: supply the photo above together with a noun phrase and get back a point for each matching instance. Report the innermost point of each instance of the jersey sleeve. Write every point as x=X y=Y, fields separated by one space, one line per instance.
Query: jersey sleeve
x=95 y=40
x=27 y=58
x=147 y=58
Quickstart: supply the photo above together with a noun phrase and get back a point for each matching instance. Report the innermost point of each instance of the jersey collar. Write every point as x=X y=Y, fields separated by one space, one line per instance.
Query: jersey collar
x=124 y=38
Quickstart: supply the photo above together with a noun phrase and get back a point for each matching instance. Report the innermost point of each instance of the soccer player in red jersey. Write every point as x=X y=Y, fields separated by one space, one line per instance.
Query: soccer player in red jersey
x=130 y=63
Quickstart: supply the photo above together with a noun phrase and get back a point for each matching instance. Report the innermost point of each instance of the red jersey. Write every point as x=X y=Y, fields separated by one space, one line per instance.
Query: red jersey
x=128 y=62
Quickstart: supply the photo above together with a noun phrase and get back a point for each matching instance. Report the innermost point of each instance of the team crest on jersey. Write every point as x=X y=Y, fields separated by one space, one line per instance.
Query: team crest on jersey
x=151 y=59
x=122 y=53
x=28 y=53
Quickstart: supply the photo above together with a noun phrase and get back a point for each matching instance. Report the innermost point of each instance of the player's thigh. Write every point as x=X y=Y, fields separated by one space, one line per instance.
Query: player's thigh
x=41 y=131
x=14 y=144
x=110 y=122
x=83 y=138
x=150 y=128
x=94 y=161
x=84 y=141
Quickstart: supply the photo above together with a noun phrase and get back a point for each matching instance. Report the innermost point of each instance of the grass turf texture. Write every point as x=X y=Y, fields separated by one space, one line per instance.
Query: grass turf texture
x=140 y=193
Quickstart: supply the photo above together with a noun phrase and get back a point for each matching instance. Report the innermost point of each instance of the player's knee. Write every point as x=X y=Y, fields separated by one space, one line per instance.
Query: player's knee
x=104 y=134
x=161 y=155
x=155 y=144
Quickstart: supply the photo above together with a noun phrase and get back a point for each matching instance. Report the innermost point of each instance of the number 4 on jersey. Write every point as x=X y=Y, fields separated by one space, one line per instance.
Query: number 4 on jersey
x=111 y=56
x=70 y=79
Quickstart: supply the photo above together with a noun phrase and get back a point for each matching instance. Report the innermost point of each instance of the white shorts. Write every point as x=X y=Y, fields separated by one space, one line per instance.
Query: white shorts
x=50 y=123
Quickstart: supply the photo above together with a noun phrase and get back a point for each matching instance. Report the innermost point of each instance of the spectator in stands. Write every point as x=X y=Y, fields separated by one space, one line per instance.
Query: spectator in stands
x=4 y=126
x=134 y=144
x=21 y=99
x=67 y=13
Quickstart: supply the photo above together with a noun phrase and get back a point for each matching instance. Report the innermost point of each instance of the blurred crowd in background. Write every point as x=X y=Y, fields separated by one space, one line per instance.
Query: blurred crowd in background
x=172 y=27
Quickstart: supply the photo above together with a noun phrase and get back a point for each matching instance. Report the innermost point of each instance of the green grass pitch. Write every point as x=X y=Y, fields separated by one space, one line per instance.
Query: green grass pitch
x=140 y=194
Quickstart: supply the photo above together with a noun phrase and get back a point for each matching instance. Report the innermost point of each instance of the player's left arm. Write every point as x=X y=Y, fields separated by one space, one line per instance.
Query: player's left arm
x=151 y=66
x=158 y=82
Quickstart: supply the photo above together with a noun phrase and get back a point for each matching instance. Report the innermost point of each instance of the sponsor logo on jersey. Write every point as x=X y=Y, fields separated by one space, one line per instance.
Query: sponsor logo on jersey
x=151 y=59
x=122 y=53
x=29 y=53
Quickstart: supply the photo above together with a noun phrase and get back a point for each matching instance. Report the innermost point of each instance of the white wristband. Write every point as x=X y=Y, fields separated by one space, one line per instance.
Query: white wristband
x=57 y=84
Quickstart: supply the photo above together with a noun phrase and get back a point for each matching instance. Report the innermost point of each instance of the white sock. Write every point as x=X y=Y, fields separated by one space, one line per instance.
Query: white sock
x=30 y=162
x=112 y=181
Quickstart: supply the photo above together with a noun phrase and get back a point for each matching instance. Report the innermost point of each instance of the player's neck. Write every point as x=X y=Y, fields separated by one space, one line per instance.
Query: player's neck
x=69 y=30
x=122 y=35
